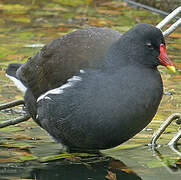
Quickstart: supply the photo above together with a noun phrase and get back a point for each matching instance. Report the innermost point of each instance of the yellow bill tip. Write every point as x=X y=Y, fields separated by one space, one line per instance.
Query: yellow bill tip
x=171 y=68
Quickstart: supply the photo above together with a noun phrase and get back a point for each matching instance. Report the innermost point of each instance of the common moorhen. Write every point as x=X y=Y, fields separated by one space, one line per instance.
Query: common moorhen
x=95 y=89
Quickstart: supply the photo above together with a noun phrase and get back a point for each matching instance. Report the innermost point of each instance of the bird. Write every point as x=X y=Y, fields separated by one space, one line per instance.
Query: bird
x=94 y=88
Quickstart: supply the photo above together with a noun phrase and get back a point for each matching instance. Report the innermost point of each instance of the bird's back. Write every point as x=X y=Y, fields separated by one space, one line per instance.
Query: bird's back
x=64 y=57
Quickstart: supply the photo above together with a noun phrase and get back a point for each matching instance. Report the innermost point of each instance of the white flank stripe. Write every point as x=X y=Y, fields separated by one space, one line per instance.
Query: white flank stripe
x=48 y=98
x=17 y=83
x=70 y=82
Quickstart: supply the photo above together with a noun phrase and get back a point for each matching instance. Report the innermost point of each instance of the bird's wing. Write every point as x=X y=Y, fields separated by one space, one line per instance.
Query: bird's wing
x=64 y=57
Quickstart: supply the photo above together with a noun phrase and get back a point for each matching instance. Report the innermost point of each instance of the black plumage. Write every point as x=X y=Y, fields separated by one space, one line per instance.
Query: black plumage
x=95 y=89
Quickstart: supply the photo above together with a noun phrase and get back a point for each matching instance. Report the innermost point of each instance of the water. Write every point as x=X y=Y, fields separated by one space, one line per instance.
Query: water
x=26 y=151
x=168 y=6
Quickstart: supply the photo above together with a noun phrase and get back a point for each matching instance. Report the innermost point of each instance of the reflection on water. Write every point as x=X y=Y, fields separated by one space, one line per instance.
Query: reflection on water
x=64 y=170
x=97 y=171
x=174 y=167
x=126 y=164
x=150 y=164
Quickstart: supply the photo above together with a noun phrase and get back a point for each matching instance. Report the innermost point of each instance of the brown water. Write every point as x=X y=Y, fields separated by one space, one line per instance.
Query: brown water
x=26 y=151
x=168 y=5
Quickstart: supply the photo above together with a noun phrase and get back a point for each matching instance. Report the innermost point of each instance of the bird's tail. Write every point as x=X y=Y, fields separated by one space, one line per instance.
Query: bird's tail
x=11 y=72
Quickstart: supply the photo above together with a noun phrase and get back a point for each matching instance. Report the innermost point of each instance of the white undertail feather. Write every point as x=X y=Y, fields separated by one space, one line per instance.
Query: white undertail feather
x=17 y=83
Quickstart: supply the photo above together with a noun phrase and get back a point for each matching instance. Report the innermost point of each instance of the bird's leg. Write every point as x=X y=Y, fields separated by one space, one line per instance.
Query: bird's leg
x=162 y=128
x=16 y=120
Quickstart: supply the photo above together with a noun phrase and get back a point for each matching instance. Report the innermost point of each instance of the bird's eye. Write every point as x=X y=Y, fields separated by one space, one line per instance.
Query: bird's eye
x=149 y=45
